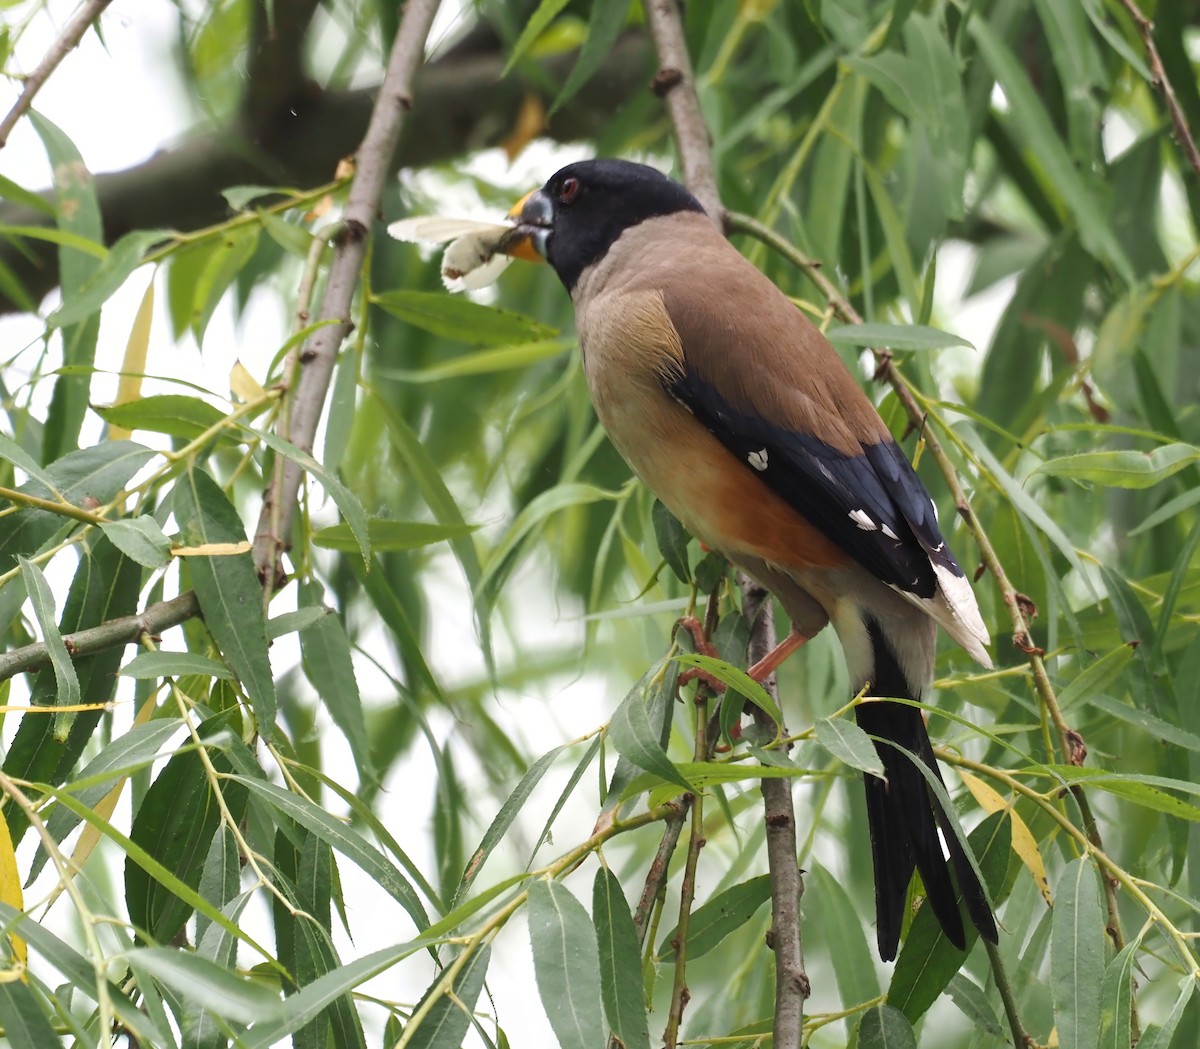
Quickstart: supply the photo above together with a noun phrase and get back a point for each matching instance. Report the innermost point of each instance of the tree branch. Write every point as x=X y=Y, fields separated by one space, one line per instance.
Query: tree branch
x=675 y=82
x=792 y=986
x=153 y=621
x=676 y=85
x=317 y=360
x=1160 y=80
x=67 y=41
x=462 y=105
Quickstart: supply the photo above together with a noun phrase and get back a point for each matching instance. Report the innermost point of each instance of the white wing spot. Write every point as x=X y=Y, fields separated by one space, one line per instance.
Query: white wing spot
x=934 y=505
x=890 y=534
x=860 y=518
x=758 y=459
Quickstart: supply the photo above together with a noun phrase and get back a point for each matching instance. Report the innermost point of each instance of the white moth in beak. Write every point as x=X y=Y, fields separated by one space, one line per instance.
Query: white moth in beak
x=473 y=259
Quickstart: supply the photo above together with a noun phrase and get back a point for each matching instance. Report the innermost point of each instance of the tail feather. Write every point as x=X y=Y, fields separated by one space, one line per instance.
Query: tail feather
x=904 y=816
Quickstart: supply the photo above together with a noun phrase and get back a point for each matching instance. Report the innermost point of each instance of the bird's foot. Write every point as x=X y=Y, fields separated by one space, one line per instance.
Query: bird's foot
x=769 y=663
x=704 y=647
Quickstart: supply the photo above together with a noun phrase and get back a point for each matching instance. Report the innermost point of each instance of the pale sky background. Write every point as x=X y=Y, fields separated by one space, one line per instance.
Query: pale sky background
x=119 y=103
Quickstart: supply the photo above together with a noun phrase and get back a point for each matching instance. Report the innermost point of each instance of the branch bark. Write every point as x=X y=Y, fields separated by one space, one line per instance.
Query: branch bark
x=792 y=986
x=153 y=621
x=675 y=82
x=317 y=359
x=1160 y=80
x=462 y=105
x=67 y=41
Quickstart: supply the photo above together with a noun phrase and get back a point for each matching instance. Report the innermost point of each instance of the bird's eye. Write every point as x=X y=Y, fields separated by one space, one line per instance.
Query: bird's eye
x=569 y=190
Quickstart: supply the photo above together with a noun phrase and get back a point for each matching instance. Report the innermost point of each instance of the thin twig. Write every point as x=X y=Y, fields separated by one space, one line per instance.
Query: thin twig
x=676 y=85
x=1160 y=80
x=319 y=355
x=656 y=876
x=1073 y=750
x=63 y=46
x=792 y=986
x=680 y=995
x=1021 y=1039
x=122 y=631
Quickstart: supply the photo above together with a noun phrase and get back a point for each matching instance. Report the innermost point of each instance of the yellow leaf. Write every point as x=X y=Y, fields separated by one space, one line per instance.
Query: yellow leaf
x=210 y=550
x=244 y=386
x=1023 y=842
x=10 y=893
x=133 y=368
x=530 y=122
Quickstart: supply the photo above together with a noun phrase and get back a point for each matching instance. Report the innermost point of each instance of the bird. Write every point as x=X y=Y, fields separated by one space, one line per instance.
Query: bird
x=738 y=414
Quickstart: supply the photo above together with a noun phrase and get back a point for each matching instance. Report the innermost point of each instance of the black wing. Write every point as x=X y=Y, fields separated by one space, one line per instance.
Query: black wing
x=872 y=505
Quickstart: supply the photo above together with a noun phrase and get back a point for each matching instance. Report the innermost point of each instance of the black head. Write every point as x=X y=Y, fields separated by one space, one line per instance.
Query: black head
x=583 y=208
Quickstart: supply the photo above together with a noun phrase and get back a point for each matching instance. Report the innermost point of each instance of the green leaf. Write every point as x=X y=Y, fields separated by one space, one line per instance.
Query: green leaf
x=344 y=839
x=548 y=503
x=227 y=587
x=725 y=913
x=620 y=962
x=838 y=924
x=384 y=535
x=636 y=739
x=483 y=362
x=78 y=213
x=210 y=986
x=169 y=413
x=604 y=26
x=546 y=12
x=1096 y=677
x=447 y=1021
x=24 y=1021
x=222 y=261
x=1032 y=124
x=89 y=476
x=567 y=965
x=290 y=622
x=123 y=258
x=672 y=541
x=1163 y=1037
x=1116 y=997
x=894 y=336
x=175 y=824
x=150 y=666
x=325 y=651
x=461 y=320
x=22 y=460
x=973 y=1003
x=736 y=679
x=503 y=821
x=1077 y=956
x=300 y=1008
x=1125 y=469
x=17 y=194
x=885 y=1027
x=345 y=500
x=139 y=538
x=42 y=599
x=849 y=744
x=928 y=961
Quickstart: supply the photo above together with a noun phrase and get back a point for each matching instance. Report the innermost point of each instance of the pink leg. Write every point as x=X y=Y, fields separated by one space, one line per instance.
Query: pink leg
x=769 y=663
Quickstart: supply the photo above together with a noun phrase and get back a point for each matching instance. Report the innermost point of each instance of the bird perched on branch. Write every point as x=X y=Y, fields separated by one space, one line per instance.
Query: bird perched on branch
x=739 y=415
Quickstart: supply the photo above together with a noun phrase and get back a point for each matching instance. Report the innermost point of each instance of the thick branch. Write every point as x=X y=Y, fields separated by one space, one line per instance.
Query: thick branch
x=1160 y=80
x=676 y=85
x=67 y=41
x=275 y=72
x=462 y=105
x=319 y=355
x=153 y=621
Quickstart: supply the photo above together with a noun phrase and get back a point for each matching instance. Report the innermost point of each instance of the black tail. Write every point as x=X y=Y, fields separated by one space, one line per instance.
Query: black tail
x=904 y=816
